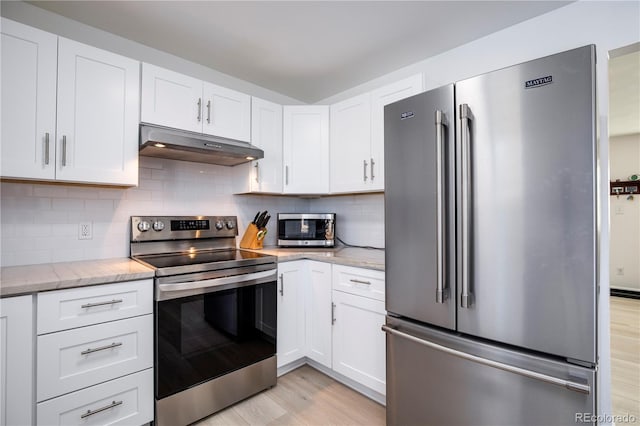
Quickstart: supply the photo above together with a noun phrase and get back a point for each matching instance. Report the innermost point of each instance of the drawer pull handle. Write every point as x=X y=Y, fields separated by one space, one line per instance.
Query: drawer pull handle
x=110 y=302
x=99 y=410
x=360 y=281
x=101 y=348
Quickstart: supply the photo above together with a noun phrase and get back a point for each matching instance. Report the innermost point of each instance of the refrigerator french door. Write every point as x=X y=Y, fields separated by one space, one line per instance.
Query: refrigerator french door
x=490 y=216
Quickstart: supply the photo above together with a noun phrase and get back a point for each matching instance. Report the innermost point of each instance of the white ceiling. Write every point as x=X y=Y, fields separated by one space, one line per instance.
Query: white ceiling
x=308 y=50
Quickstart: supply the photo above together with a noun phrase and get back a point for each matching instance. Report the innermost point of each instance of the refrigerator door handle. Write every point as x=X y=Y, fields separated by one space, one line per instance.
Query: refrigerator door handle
x=441 y=294
x=466 y=298
x=573 y=386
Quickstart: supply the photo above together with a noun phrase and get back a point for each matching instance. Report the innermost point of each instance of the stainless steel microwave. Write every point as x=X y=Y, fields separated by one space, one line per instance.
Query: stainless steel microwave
x=306 y=229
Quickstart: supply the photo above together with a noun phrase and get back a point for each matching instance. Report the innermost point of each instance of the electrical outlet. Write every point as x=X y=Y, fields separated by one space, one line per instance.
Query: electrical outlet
x=85 y=231
x=619 y=270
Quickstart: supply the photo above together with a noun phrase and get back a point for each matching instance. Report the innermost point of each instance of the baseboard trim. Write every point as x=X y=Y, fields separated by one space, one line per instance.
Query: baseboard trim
x=630 y=294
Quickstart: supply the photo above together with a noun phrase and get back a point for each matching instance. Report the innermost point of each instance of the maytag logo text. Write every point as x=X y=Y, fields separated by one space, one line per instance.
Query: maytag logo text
x=537 y=82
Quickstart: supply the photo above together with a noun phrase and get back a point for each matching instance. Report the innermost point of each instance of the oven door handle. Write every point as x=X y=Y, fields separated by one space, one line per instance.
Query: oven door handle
x=175 y=290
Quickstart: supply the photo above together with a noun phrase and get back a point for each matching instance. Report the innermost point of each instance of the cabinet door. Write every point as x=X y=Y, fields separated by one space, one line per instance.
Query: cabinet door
x=171 y=99
x=350 y=145
x=29 y=58
x=226 y=113
x=266 y=134
x=97 y=126
x=16 y=360
x=358 y=341
x=318 y=313
x=291 y=311
x=379 y=98
x=306 y=149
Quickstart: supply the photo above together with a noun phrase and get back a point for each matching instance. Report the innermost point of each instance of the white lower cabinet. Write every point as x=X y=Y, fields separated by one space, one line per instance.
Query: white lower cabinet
x=16 y=361
x=124 y=401
x=333 y=314
x=95 y=355
x=318 y=313
x=78 y=358
x=358 y=341
x=291 y=312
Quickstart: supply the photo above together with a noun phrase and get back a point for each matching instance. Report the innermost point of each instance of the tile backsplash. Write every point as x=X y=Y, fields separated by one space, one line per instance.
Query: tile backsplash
x=39 y=222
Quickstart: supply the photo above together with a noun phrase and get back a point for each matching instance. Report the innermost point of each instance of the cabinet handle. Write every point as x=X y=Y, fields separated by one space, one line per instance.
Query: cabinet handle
x=64 y=150
x=353 y=280
x=257 y=166
x=93 y=305
x=333 y=313
x=209 y=112
x=46 y=149
x=281 y=284
x=372 y=175
x=101 y=348
x=364 y=168
x=99 y=410
x=199 y=109
x=286 y=175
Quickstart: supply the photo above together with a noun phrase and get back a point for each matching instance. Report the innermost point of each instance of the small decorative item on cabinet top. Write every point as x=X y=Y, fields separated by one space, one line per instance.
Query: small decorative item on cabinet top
x=256 y=231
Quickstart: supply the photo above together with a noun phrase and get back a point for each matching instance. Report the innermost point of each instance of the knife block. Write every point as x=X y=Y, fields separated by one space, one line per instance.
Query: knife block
x=250 y=238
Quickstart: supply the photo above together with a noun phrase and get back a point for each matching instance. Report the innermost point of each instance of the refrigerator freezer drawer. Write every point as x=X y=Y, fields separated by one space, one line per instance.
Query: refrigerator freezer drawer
x=435 y=378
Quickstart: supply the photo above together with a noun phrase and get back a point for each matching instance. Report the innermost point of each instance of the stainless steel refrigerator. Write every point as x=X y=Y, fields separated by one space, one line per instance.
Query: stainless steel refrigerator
x=491 y=236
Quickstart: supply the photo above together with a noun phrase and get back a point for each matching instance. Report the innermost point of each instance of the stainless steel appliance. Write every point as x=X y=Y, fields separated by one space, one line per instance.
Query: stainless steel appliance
x=215 y=314
x=490 y=209
x=164 y=142
x=306 y=229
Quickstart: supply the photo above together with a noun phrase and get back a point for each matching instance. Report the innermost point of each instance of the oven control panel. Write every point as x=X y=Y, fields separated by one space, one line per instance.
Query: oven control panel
x=166 y=228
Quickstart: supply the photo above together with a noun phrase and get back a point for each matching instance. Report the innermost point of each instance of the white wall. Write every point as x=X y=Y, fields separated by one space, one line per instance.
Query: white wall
x=40 y=221
x=65 y=27
x=624 y=154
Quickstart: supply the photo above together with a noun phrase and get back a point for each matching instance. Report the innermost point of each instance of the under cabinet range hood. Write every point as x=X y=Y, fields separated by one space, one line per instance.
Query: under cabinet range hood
x=163 y=142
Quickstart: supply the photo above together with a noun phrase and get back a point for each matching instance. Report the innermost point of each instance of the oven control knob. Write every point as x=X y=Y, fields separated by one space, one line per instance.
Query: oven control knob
x=158 y=226
x=230 y=224
x=143 y=226
x=219 y=225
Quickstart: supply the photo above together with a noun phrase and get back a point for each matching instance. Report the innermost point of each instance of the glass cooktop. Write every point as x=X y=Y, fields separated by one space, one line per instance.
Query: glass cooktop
x=223 y=258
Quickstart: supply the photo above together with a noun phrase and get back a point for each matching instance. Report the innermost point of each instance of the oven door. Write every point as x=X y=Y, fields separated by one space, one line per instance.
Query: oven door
x=214 y=326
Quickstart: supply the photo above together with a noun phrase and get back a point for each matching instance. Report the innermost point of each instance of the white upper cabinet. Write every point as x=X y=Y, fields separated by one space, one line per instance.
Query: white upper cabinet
x=226 y=113
x=171 y=99
x=95 y=136
x=97 y=125
x=350 y=146
x=306 y=149
x=357 y=137
x=379 y=98
x=175 y=100
x=29 y=60
x=264 y=175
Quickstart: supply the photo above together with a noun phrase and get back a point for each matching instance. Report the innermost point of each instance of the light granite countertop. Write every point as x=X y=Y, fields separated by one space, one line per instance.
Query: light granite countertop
x=26 y=279
x=15 y=280
x=349 y=256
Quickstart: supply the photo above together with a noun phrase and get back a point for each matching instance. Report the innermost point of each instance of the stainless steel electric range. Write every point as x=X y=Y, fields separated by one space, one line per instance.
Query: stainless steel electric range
x=215 y=314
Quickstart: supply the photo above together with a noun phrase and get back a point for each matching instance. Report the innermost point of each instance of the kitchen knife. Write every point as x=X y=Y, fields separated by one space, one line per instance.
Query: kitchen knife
x=256 y=218
x=260 y=218
x=266 y=220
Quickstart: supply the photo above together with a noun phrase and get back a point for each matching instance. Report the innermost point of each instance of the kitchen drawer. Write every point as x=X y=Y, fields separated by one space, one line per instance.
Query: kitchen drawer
x=359 y=281
x=124 y=401
x=78 y=307
x=76 y=359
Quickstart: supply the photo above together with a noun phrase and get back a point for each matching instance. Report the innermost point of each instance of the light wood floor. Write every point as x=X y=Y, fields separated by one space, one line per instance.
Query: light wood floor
x=625 y=356
x=307 y=397
x=302 y=397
